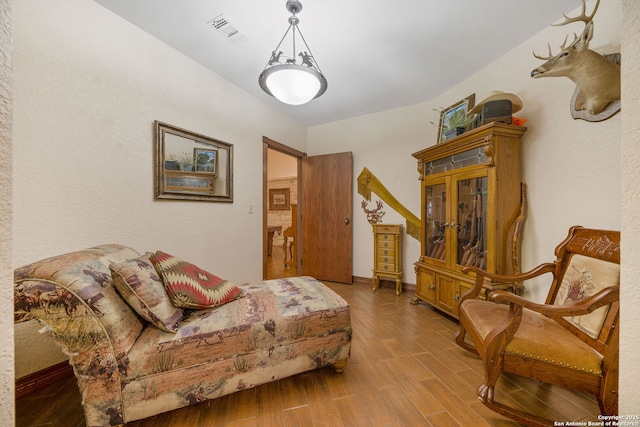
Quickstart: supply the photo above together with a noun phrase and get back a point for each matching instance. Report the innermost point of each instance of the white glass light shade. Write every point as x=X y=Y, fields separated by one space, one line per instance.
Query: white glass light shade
x=293 y=84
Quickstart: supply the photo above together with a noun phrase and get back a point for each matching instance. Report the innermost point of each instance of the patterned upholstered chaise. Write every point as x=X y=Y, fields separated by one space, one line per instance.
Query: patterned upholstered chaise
x=128 y=368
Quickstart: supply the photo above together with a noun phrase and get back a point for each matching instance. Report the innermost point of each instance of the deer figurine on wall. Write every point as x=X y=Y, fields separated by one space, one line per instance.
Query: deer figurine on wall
x=597 y=77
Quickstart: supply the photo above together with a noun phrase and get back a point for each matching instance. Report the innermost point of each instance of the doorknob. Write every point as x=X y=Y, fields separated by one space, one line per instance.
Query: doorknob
x=346 y=221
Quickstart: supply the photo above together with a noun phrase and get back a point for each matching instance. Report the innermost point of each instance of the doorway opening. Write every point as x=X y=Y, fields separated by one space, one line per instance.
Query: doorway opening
x=281 y=217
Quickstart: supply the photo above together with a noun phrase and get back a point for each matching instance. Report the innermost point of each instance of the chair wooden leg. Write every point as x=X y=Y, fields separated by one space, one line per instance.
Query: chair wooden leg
x=284 y=250
x=486 y=395
x=517 y=415
x=608 y=395
x=289 y=253
x=460 y=336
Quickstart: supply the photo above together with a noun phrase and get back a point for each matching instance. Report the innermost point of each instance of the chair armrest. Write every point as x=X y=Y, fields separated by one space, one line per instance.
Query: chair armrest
x=498 y=278
x=604 y=297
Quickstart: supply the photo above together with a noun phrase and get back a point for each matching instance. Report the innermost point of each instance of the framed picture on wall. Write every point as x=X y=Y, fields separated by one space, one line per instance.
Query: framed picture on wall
x=279 y=199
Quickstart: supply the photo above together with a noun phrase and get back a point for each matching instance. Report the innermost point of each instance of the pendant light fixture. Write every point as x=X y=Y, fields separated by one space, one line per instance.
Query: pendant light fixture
x=294 y=79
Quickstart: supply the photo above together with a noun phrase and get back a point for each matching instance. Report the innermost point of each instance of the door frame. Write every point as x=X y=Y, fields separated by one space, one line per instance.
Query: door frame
x=268 y=144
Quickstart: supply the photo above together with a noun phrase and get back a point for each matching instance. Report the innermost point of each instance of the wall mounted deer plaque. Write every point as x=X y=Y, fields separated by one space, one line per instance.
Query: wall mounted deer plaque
x=597 y=77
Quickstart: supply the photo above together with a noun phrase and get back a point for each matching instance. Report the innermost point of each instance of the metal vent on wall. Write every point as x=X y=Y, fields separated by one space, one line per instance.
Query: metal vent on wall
x=221 y=24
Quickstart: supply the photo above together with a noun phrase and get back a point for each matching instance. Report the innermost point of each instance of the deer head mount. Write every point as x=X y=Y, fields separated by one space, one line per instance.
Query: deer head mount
x=597 y=78
x=374 y=216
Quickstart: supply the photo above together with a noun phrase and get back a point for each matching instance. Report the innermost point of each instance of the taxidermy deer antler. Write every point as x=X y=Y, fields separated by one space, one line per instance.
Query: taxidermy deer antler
x=597 y=78
x=374 y=216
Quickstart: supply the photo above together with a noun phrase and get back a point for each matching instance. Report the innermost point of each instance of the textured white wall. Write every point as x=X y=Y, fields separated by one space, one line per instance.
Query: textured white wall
x=88 y=86
x=109 y=85
x=630 y=292
x=571 y=167
x=6 y=275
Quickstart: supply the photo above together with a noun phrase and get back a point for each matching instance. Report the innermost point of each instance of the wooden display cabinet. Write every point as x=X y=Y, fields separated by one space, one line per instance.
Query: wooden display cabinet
x=471 y=197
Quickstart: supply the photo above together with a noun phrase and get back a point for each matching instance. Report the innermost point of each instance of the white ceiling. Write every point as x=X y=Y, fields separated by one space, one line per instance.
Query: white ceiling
x=375 y=54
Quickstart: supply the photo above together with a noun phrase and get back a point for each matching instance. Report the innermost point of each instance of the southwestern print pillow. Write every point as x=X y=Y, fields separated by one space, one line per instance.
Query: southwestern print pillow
x=191 y=287
x=139 y=284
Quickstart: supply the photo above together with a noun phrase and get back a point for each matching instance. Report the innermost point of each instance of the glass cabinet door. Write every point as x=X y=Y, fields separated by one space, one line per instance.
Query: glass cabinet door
x=435 y=212
x=472 y=222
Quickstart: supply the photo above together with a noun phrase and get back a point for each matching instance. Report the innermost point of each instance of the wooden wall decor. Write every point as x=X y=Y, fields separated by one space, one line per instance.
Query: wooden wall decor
x=367 y=182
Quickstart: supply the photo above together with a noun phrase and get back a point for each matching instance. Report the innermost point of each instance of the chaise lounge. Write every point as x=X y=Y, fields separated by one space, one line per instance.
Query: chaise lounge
x=135 y=354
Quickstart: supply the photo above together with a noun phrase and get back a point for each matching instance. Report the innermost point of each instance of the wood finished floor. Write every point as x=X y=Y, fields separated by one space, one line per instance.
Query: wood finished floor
x=405 y=370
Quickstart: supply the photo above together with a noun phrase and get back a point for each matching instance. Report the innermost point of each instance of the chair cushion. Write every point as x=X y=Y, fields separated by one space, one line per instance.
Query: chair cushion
x=538 y=337
x=139 y=285
x=191 y=287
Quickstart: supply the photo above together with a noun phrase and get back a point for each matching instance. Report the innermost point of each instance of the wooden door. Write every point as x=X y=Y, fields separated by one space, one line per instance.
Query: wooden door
x=326 y=209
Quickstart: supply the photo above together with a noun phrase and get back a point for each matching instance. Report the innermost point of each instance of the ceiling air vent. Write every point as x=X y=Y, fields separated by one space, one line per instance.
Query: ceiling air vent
x=221 y=24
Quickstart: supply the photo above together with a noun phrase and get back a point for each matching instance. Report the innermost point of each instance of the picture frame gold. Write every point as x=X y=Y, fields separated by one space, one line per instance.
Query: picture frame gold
x=279 y=199
x=456 y=110
x=191 y=166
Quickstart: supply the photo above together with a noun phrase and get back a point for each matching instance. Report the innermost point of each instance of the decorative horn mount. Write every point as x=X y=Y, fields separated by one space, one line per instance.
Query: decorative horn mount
x=597 y=77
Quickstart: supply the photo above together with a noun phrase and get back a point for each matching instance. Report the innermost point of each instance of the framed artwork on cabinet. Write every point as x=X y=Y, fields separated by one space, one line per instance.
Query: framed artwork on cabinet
x=455 y=116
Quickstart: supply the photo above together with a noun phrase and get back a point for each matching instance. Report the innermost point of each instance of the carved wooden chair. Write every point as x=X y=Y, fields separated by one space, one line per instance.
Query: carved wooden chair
x=570 y=341
x=290 y=236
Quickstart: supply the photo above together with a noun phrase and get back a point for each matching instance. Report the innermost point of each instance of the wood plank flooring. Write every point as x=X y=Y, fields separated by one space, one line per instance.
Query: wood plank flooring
x=405 y=370
x=275 y=265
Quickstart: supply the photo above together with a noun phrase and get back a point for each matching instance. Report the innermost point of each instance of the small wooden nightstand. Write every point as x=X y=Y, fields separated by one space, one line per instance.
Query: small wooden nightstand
x=387 y=262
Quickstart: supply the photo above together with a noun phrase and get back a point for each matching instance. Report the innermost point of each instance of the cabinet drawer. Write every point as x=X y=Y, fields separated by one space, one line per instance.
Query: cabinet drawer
x=386 y=244
x=382 y=229
x=386 y=252
x=386 y=238
x=386 y=266
x=386 y=260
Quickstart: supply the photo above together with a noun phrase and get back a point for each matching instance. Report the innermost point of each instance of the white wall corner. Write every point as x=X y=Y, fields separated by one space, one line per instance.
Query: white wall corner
x=630 y=212
x=7 y=381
